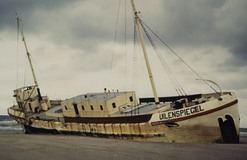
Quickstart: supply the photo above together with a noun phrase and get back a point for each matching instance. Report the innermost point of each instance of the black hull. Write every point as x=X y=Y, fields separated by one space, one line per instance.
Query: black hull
x=110 y=120
x=32 y=130
x=170 y=99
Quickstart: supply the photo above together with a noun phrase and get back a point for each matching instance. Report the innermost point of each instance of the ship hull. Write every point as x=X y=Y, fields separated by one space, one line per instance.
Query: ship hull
x=211 y=122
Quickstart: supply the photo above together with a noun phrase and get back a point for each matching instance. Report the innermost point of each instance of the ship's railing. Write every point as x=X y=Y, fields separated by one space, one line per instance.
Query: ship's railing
x=15 y=113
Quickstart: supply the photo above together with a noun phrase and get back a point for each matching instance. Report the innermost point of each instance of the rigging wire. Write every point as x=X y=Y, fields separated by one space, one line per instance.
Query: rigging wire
x=134 y=59
x=125 y=39
x=180 y=91
x=116 y=32
x=25 y=72
x=121 y=10
x=19 y=27
x=17 y=50
x=110 y=73
x=37 y=68
x=179 y=57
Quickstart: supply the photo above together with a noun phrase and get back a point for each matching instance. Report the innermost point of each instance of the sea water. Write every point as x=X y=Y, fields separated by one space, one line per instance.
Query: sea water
x=8 y=125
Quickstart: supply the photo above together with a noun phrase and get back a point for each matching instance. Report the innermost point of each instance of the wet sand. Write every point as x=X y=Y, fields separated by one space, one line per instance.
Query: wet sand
x=61 y=147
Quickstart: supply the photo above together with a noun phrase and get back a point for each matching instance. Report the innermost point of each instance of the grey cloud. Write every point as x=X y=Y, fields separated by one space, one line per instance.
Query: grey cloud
x=24 y=8
x=199 y=23
x=84 y=25
x=81 y=25
x=239 y=53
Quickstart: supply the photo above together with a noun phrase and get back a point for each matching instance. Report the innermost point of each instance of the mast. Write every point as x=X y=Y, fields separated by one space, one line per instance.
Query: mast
x=28 y=54
x=137 y=22
x=29 y=59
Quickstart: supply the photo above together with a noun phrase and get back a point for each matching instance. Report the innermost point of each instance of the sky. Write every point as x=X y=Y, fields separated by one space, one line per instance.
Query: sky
x=83 y=46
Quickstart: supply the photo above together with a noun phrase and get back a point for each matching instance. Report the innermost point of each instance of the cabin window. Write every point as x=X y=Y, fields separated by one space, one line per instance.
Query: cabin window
x=30 y=107
x=114 y=105
x=131 y=98
x=75 y=104
x=36 y=109
x=75 y=108
x=101 y=108
x=82 y=107
x=20 y=104
x=65 y=107
x=92 y=107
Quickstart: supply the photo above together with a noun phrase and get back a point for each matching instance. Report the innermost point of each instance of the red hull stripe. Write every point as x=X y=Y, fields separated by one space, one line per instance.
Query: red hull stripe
x=196 y=115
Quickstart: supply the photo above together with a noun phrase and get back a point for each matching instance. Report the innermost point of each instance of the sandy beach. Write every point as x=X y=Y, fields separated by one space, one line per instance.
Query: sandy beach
x=63 y=147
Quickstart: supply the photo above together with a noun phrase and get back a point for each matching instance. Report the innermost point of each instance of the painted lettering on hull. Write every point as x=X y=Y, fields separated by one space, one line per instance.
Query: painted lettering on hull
x=180 y=112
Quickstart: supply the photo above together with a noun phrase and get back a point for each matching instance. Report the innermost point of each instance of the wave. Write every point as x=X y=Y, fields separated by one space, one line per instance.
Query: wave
x=10 y=126
x=17 y=128
x=5 y=118
x=8 y=123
